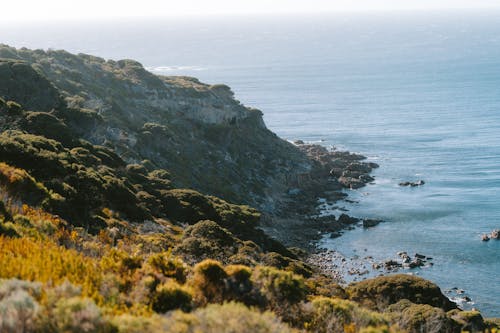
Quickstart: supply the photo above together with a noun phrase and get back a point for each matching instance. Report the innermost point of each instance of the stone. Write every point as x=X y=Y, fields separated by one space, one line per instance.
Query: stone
x=368 y=223
x=346 y=219
x=495 y=234
x=412 y=184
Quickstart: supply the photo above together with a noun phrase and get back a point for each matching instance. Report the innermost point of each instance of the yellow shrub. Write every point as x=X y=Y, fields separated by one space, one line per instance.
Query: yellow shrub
x=43 y=261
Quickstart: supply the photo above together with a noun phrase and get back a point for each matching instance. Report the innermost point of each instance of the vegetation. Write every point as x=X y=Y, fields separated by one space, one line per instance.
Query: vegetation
x=379 y=293
x=101 y=237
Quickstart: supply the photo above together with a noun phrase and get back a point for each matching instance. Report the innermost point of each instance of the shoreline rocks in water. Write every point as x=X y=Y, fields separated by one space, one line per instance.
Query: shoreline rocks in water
x=495 y=234
x=412 y=184
x=298 y=220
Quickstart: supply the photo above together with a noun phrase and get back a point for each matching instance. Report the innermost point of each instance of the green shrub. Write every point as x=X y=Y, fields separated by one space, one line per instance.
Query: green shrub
x=169 y=266
x=333 y=315
x=76 y=315
x=14 y=108
x=380 y=292
x=206 y=239
x=170 y=296
x=239 y=284
x=279 y=286
x=208 y=281
x=226 y=318
x=469 y=321
x=416 y=318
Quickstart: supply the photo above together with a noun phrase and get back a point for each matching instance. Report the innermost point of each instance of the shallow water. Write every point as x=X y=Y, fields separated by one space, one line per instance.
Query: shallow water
x=418 y=94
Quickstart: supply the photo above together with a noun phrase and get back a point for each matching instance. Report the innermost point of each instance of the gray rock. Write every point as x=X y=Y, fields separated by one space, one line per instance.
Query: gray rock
x=368 y=223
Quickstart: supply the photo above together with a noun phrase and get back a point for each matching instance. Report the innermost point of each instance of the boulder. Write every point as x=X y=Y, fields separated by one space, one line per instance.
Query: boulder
x=346 y=219
x=352 y=183
x=495 y=234
x=368 y=223
x=412 y=184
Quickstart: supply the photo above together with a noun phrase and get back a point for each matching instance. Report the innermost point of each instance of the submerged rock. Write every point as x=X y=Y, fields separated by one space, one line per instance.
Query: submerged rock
x=412 y=184
x=495 y=234
x=368 y=223
x=346 y=219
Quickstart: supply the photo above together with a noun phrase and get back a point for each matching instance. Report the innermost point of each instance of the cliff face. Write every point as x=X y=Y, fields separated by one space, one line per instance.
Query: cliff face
x=199 y=132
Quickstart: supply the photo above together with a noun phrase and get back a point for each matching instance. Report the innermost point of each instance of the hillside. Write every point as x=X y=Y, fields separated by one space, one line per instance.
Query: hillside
x=131 y=202
x=199 y=132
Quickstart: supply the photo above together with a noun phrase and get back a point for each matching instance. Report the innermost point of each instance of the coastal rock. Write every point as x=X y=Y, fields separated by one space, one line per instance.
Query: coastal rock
x=346 y=219
x=391 y=264
x=495 y=234
x=485 y=238
x=412 y=184
x=352 y=183
x=368 y=223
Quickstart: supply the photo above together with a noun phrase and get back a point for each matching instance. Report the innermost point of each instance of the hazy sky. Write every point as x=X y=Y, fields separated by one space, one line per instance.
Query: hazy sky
x=28 y=10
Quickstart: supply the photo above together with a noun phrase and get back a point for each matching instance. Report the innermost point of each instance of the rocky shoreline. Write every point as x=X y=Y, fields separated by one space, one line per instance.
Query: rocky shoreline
x=298 y=221
x=304 y=221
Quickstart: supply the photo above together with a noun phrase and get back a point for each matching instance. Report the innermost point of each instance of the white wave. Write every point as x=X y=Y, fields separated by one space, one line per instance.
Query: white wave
x=167 y=69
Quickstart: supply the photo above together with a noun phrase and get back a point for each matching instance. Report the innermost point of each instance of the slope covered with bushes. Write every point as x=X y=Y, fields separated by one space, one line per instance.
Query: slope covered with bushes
x=96 y=237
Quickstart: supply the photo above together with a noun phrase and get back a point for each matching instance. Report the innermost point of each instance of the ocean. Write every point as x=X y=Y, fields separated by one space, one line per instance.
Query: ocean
x=418 y=93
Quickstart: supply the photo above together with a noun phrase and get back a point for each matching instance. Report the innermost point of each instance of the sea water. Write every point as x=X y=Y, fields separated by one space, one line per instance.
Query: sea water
x=418 y=93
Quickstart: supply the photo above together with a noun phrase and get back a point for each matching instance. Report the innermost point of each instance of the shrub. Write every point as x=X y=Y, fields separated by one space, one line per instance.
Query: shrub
x=168 y=266
x=380 y=292
x=239 y=284
x=14 y=108
x=208 y=281
x=131 y=324
x=226 y=318
x=279 y=286
x=77 y=315
x=20 y=184
x=335 y=315
x=17 y=312
x=470 y=321
x=44 y=261
x=206 y=239
x=416 y=318
x=170 y=296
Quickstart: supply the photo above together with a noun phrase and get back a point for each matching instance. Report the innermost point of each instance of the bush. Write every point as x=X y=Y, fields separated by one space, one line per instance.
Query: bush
x=239 y=283
x=208 y=281
x=20 y=185
x=334 y=315
x=206 y=239
x=170 y=296
x=18 y=312
x=18 y=305
x=14 y=108
x=470 y=321
x=380 y=292
x=168 y=266
x=279 y=286
x=416 y=318
x=76 y=315
x=226 y=318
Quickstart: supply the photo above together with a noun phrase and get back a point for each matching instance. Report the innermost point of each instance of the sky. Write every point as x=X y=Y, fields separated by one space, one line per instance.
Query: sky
x=30 y=10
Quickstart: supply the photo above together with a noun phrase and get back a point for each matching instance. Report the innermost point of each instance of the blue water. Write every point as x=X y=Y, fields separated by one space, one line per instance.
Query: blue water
x=417 y=93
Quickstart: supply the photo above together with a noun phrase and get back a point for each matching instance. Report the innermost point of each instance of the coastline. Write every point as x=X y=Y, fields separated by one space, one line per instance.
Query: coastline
x=311 y=215
x=301 y=220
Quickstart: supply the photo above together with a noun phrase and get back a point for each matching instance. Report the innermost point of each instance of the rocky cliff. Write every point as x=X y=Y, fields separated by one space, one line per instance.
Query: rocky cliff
x=199 y=132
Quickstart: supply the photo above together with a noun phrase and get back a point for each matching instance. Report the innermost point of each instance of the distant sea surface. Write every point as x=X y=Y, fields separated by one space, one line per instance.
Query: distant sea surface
x=418 y=94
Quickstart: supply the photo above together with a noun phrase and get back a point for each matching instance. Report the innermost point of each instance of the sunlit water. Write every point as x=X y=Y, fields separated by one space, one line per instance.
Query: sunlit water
x=418 y=94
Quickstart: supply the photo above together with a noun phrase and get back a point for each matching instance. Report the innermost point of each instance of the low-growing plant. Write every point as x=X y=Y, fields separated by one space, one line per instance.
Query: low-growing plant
x=170 y=296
